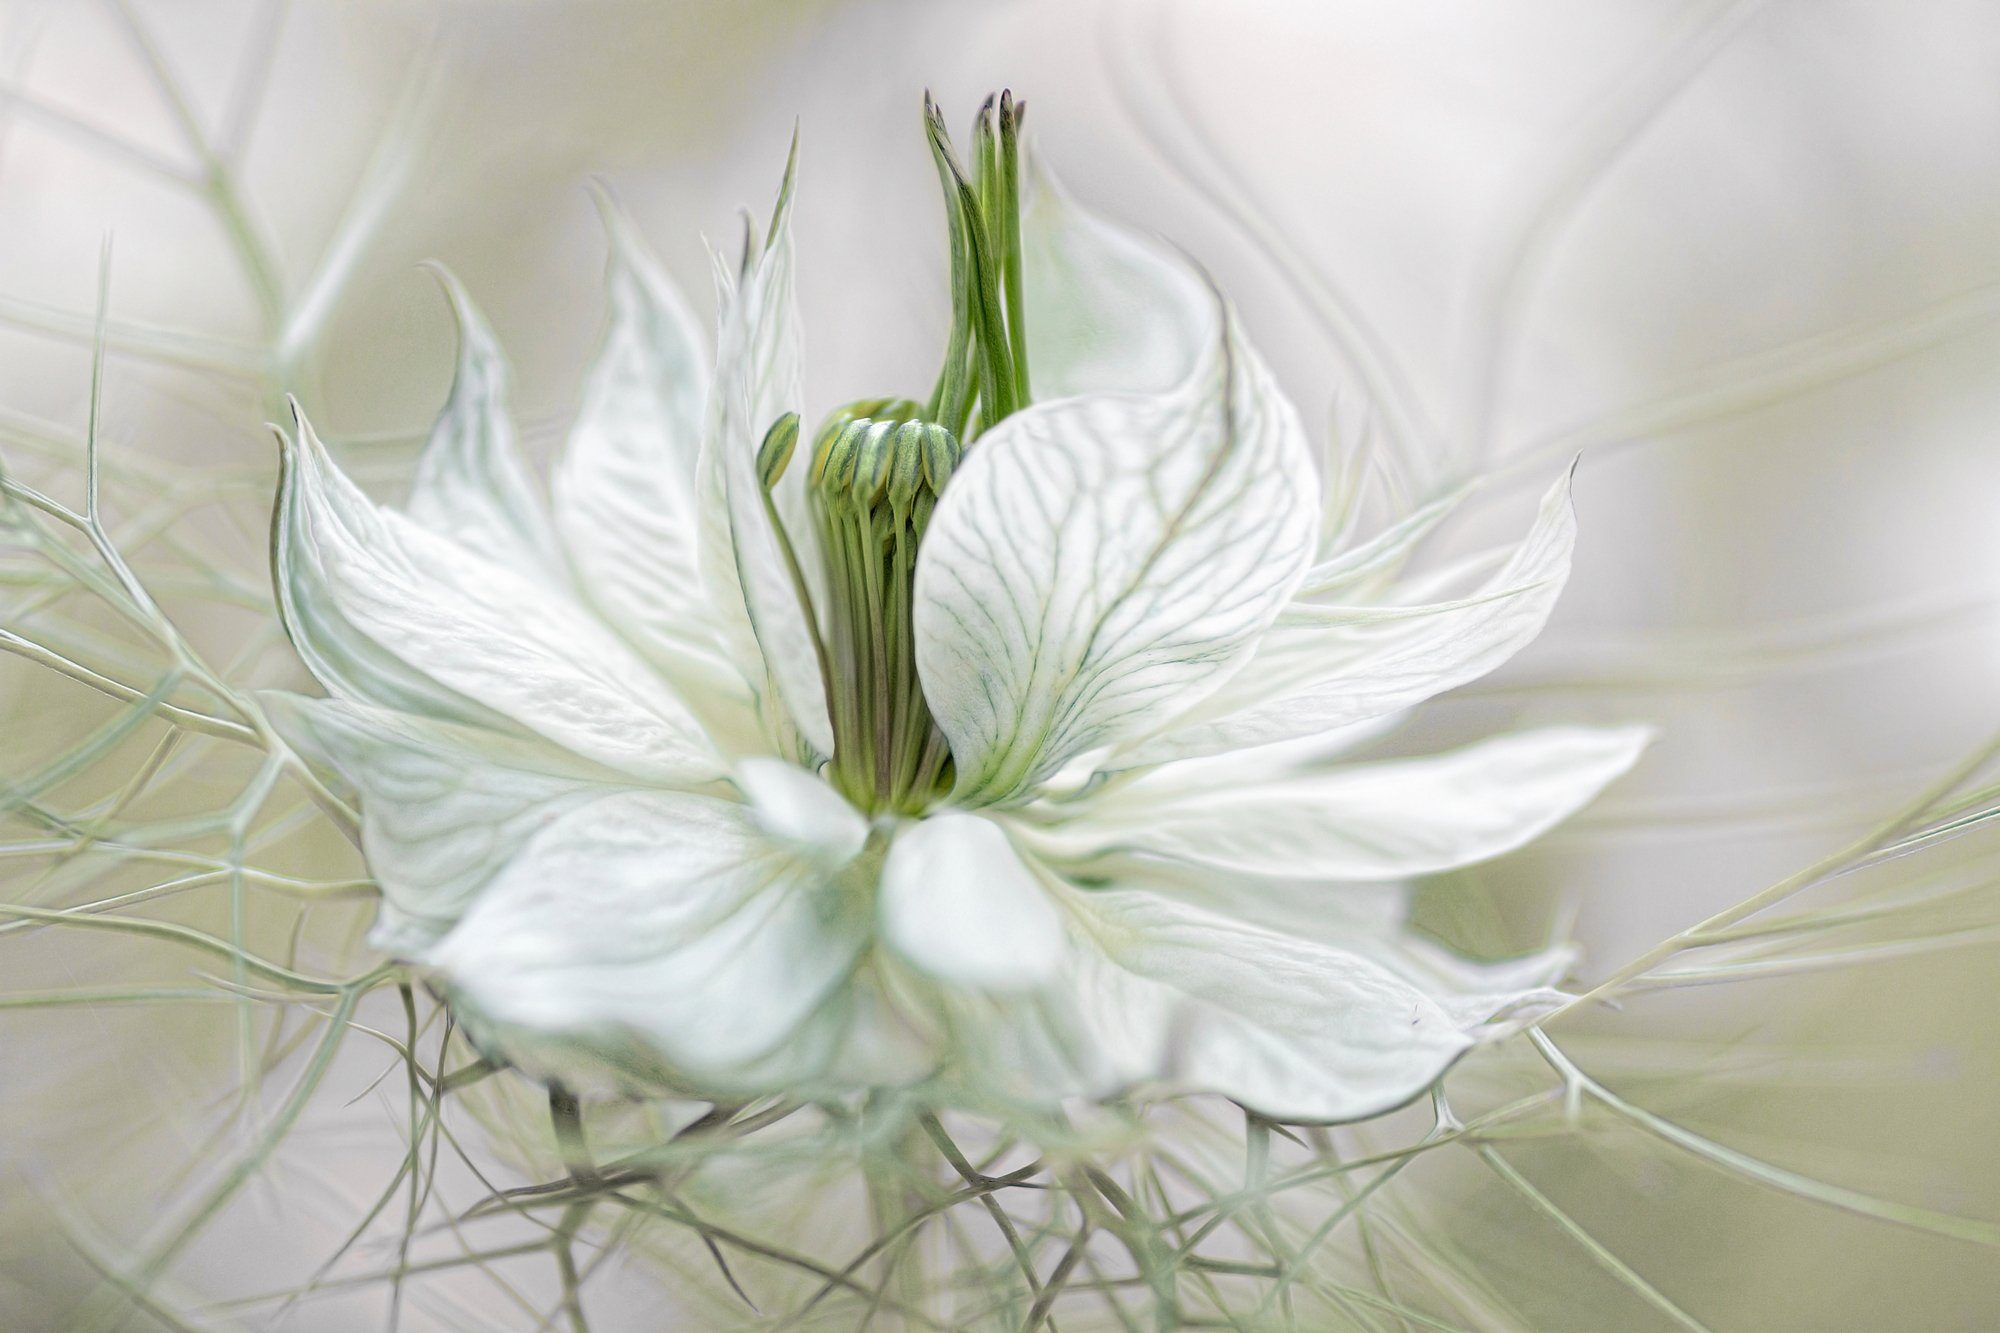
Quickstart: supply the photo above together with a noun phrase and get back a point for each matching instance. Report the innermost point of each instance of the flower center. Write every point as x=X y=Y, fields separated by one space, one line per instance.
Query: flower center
x=878 y=467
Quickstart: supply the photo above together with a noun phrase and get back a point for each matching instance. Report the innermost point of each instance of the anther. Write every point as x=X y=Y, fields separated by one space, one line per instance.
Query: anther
x=774 y=455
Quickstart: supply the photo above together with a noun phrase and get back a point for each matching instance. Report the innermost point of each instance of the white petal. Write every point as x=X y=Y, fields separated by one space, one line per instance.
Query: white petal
x=1479 y=992
x=1259 y=762
x=625 y=499
x=1168 y=997
x=1388 y=820
x=1382 y=554
x=1099 y=562
x=389 y=613
x=1306 y=679
x=471 y=484
x=1364 y=916
x=1369 y=918
x=443 y=807
x=665 y=934
x=800 y=810
x=1109 y=312
x=958 y=902
x=756 y=382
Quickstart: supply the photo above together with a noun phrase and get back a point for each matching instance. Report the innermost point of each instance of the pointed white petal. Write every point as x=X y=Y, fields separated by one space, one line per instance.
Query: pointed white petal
x=624 y=491
x=387 y=612
x=1310 y=678
x=958 y=902
x=471 y=484
x=1381 y=555
x=1169 y=997
x=443 y=807
x=1388 y=820
x=799 y=810
x=666 y=935
x=1099 y=562
x=756 y=382
x=1109 y=311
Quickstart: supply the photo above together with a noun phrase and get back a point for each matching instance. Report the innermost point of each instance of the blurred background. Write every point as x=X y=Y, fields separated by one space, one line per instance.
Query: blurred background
x=1744 y=258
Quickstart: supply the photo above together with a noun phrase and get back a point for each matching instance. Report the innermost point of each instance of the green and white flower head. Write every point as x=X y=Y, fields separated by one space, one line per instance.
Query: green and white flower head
x=985 y=744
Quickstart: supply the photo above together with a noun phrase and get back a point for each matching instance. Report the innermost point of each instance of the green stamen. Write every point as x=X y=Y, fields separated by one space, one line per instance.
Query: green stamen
x=874 y=484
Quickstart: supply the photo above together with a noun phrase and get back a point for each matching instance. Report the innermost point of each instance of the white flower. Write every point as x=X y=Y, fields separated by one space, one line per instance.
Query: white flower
x=917 y=762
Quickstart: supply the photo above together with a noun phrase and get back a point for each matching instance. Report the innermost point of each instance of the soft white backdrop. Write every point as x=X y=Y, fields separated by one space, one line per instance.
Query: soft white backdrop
x=1748 y=254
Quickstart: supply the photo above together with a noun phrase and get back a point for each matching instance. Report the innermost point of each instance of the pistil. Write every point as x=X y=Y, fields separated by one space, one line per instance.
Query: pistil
x=986 y=358
x=879 y=466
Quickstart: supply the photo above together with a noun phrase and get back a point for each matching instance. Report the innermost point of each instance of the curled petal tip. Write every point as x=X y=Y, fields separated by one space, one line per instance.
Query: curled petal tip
x=454 y=290
x=601 y=194
x=619 y=230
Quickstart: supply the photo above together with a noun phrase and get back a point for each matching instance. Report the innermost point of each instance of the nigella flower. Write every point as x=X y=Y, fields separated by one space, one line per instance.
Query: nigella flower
x=987 y=746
